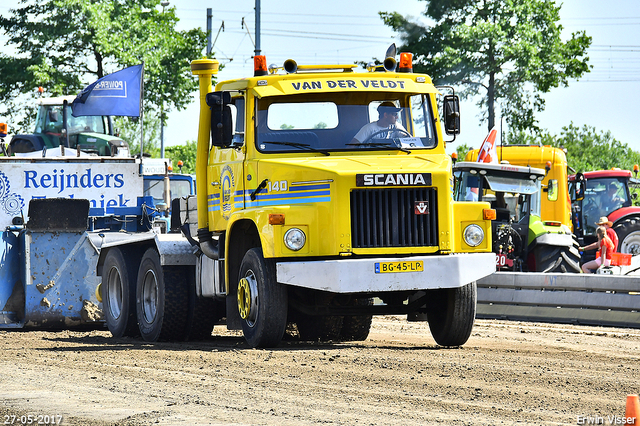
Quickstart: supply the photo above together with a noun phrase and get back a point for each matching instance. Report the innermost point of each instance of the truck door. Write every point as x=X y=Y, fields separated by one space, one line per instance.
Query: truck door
x=226 y=174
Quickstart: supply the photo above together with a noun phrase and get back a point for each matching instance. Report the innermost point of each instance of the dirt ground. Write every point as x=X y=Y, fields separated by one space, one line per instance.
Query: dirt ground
x=507 y=373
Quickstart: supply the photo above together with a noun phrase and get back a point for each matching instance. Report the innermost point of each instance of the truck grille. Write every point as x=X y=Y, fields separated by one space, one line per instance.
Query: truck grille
x=387 y=218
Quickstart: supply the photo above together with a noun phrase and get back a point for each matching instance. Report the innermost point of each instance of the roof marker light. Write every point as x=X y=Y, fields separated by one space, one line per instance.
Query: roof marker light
x=259 y=65
x=406 y=62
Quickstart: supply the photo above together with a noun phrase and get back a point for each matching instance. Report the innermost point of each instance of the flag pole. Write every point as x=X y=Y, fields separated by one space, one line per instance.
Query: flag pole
x=141 y=115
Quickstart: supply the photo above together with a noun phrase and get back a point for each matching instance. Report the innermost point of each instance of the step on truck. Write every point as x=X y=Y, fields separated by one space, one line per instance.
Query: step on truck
x=301 y=221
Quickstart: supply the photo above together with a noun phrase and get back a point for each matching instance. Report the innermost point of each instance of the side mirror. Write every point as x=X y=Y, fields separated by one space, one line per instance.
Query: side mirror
x=451 y=114
x=552 y=190
x=578 y=188
x=221 y=118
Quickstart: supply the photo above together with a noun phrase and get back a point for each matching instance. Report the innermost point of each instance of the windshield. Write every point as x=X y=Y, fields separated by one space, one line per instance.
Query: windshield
x=49 y=120
x=602 y=196
x=154 y=186
x=345 y=121
x=512 y=198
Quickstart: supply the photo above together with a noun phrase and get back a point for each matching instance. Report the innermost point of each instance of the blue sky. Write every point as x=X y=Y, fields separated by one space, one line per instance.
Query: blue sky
x=334 y=31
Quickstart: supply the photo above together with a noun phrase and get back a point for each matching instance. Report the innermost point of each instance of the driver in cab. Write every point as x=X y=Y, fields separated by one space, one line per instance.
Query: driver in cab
x=383 y=128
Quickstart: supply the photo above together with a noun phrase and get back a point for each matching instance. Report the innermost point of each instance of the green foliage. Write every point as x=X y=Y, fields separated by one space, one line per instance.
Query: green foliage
x=129 y=130
x=63 y=45
x=185 y=153
x=507 y=51
x=587 y=149
x=462 y=150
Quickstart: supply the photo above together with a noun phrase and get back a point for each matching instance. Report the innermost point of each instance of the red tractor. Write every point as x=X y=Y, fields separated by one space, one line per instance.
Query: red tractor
x=609 y=193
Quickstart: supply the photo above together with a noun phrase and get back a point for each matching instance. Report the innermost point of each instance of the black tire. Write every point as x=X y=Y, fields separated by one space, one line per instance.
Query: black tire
x=452 y=314
x=355 y=328
x=203 y=315
x=119 y=295
x=314 y=328
x=628 y=232
x=204 y=312
x=262 y=302
x=557 y=258
x=162 y=300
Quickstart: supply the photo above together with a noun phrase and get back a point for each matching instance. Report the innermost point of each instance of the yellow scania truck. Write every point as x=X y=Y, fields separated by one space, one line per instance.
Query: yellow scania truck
x=324 y=196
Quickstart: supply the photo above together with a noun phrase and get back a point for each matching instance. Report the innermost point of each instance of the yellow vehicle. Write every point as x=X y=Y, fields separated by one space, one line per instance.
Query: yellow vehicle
x=299 y=219
x=555 y=203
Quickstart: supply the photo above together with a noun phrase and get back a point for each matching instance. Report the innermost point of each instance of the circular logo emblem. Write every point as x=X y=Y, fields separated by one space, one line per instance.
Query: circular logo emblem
x=227 y=184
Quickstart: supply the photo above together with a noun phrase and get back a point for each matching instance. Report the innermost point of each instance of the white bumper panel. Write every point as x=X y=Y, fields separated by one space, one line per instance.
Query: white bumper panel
x=358 y=275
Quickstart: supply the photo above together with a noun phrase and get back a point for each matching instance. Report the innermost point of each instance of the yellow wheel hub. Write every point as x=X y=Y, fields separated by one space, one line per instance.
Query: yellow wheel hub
x=244 y=298
x=99 y=292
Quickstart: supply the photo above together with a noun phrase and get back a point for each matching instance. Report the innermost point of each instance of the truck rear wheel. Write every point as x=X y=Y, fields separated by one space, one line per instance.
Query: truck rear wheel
x=119 y=295
x=452 y=314
x=628 y=235
x=262 y=302
x=356 y=328
x=162 y=299
x=557 y=259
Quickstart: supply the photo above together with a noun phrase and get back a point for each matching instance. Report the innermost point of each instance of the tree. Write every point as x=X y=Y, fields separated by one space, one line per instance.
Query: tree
x=462 y=150
x=63 y=45
x=510 y=49
x=185 y=153
x=129 y=130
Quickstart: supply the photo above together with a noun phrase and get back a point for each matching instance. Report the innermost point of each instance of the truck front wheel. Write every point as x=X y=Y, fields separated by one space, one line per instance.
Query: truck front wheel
x=262 y=302
x=162 y=299
x=452 y=314
x=119 y=295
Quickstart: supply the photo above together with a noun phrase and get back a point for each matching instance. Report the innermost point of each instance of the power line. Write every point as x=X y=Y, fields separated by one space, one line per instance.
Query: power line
x=313 y=15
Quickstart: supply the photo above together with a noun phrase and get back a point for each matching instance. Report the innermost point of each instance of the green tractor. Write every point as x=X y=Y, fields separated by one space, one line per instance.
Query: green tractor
x=91 y=135
x=521 y=240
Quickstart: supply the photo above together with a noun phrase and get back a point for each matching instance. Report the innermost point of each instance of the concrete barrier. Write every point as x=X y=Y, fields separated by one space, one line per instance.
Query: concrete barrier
x=604 y=300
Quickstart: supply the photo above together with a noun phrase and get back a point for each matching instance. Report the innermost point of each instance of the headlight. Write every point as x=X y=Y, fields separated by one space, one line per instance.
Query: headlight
x=294 y=239
x=473 y=235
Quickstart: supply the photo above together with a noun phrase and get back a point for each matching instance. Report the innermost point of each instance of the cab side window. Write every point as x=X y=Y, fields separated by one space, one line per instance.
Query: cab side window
x=238 y=111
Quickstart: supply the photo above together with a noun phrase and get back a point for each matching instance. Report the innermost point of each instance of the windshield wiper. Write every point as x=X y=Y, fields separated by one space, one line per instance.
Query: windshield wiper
x=387 y=144
x=300 y=145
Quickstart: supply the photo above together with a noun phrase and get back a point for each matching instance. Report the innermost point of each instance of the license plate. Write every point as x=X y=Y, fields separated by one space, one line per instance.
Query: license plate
x=392 y=267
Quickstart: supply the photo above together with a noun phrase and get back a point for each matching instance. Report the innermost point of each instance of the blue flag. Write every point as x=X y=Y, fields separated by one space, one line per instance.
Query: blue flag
x=118 y=93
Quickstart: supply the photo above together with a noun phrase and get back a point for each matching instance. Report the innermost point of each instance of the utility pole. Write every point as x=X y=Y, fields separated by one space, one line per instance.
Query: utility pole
x=257 y=51
x=209 y=17
x=164 y=4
